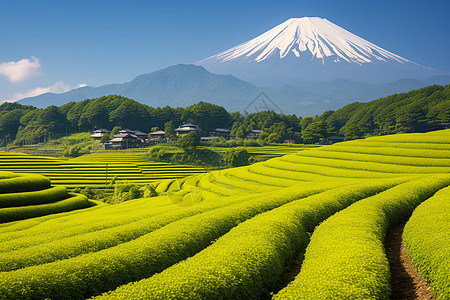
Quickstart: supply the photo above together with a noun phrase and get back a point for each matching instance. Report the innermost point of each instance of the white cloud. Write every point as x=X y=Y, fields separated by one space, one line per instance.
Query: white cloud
x=57 y=88
x=21 y=70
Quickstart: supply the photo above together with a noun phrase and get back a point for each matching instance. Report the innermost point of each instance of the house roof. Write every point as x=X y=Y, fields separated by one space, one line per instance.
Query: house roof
x=188 y=125
x=140 y=133
x=222 y=130
x=102 y=130
x=97 y=135
x=187 y=129
x=116 y=139
x=159 y=132
x=125 y=131
x=255 y=131
x=124 y=135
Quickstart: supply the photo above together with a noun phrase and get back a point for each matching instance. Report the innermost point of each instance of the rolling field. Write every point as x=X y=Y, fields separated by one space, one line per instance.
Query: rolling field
x=90 y=170
x=307 y=225
x=24 y=196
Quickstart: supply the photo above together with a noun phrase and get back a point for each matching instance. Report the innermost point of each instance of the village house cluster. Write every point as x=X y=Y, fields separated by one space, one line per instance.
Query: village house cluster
x=127 y=138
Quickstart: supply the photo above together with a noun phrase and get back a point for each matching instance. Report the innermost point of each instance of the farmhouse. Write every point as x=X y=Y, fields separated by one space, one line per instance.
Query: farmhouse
x=127 y=138
x=186 y=128
x=222 y=132
x=252 y=134
x=157 y=136
x=98 y=134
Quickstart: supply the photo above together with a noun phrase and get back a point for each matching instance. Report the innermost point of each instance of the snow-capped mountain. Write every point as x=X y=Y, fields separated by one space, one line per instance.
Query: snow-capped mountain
x=312 y=49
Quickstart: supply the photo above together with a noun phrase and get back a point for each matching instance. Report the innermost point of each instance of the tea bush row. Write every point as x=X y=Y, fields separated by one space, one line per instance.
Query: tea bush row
x=427 y=239
x=345 y=258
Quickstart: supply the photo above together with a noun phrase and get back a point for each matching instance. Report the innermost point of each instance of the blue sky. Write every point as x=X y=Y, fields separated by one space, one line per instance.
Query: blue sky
x=59 y=45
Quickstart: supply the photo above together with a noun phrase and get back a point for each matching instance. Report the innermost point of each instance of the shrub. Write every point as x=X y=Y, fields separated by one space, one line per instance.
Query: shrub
x=427 y=239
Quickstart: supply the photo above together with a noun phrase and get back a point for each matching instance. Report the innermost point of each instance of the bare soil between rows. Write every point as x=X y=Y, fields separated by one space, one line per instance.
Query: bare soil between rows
x=406 y=283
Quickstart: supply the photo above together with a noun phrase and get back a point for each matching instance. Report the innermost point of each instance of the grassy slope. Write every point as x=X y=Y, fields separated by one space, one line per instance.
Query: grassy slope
x=203 y=197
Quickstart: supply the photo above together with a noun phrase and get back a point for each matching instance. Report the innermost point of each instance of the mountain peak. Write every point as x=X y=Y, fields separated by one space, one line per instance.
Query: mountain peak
x=312 y=48
x=314 y=37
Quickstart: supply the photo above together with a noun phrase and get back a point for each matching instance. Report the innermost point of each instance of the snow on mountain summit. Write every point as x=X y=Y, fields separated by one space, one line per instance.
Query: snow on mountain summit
x=311 y=36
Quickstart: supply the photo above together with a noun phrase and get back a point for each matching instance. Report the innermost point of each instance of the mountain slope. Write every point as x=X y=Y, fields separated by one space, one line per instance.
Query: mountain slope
x=312 y=49
x=179 y=85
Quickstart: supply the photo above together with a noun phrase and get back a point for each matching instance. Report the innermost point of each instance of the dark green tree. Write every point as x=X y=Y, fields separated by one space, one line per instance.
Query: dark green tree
x=115 y=130
x=105 y=138
x=314 y=132
x=305 y=122
x=236 y=157
x=169 y=130
x=189 y=141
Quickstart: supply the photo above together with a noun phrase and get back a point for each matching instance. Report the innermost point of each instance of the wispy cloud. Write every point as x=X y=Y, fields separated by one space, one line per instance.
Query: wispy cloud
x=57 y=88
x=21 y=70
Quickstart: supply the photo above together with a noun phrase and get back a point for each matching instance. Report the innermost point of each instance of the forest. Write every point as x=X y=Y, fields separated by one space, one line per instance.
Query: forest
x=421 y=110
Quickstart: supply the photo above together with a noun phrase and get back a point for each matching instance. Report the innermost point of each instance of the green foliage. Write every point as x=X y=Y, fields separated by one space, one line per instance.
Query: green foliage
x=23 y=183
x=208 y=116
x=189 y=141
x=314 y=132
x=236 y=157
x=124 y=192
x=134 y=193
x=421 y=110
x=19 y=213
x=305 y=122
x=149 y=191
x=345 y=258
x=73 y=151
x=427 y=240
x=157 y=250
x=270 y=245
x=115 y=130
x=232 y=233
x=169 y=130
x=33 y=198
x=105 y=138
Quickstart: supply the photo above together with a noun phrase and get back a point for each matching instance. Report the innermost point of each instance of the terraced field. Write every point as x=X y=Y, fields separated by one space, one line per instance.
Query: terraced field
x=92 y=170
x=24 y=196
x=309 y=225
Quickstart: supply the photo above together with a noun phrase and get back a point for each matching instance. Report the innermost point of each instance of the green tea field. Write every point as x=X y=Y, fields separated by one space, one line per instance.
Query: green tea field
x=94 y=170
x=307 y=225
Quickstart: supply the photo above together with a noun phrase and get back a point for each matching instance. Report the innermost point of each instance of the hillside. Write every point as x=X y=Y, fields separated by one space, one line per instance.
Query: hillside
x=235 y=233
x=184 y=85
x=421 y=110
x=180 y=85
x=25 y=196
x=416 y=111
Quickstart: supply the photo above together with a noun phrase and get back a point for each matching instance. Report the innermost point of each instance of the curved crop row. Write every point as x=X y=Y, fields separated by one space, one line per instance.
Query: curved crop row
x=393 y=160
x=24 y=183
x=97 y=272
x=74 y=241
x=345 y=258
x=371 y=143
x=388 y=151
x=19 y=213
x=6 y=174
x=427 y=239
x=341 y=164
x=33 y=198
x=248 y=262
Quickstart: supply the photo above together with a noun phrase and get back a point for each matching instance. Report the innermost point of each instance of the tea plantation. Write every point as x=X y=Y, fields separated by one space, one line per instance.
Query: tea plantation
x=231 y=234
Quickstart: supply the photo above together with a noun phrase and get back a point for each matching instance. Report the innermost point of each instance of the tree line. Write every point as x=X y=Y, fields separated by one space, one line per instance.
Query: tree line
x=421 y=110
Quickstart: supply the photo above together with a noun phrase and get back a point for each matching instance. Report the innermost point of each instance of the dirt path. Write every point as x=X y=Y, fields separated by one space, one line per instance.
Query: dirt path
x=405 y=281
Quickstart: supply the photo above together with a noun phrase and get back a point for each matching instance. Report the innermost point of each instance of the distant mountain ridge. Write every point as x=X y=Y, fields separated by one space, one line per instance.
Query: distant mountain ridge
x=184 y=85
x=179 y=85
